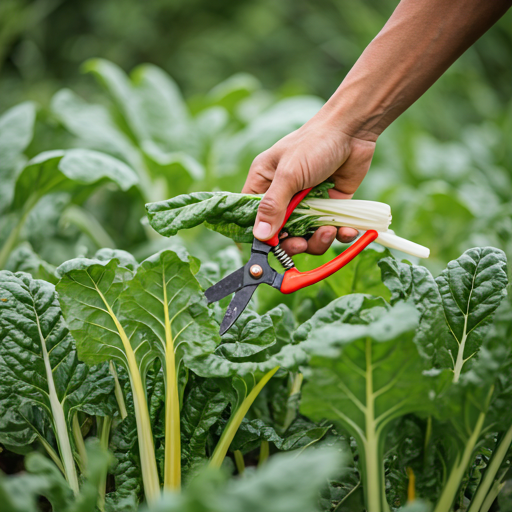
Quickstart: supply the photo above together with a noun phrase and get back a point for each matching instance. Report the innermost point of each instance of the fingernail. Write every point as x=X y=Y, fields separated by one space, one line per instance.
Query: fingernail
x=262 y=230
x=327 y=238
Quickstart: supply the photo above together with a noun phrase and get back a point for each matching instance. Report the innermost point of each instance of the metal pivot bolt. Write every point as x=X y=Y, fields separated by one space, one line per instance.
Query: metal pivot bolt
x=256 y=271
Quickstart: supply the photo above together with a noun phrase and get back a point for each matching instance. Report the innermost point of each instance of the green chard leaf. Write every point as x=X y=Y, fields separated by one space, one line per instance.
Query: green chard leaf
x=157 y=116
x=230 y=214
x=301 y=434
x=156 y=310
x=39 y=367
x=268 y=341
x=202 y=409
x=24 y=259
x=71 y=170
x=166 y=299
x=150 y=102
x=365 y=372
x=471 y=288
x=456 y=312
x=94 y=127
x=89 y=292
x=456 y=308
x=416 y=283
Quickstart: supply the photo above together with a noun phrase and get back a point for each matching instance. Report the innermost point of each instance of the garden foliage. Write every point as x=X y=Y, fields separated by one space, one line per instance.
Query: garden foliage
x=388 y=383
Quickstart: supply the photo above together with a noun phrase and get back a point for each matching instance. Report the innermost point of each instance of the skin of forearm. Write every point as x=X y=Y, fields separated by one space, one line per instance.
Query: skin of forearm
x=418 y=43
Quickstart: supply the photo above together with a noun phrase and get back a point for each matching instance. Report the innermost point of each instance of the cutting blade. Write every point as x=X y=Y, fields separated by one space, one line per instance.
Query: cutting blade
x=236 y=306
x=226 y=286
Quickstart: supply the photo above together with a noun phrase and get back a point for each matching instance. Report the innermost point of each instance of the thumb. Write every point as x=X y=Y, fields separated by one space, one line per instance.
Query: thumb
x=272 y=207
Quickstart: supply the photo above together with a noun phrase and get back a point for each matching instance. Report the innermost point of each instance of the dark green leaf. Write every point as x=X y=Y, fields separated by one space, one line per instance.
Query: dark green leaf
x=33 y=340
x=366 y=372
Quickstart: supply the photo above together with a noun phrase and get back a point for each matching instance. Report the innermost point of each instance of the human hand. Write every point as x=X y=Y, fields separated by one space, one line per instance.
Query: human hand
x=302 y=159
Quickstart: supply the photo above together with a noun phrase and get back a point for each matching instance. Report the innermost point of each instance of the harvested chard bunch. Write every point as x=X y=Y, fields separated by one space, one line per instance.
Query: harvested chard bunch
x=233 y=215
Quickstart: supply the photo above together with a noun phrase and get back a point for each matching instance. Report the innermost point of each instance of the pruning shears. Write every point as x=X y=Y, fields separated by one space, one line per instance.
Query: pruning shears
x=244 y=281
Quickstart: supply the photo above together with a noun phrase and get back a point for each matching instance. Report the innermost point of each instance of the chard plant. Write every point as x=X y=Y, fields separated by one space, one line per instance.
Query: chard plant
x=135 y=314
x=44 y=385
x=360 y=368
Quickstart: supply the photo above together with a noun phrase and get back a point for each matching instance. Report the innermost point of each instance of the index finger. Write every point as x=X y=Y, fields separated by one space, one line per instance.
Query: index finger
x=261 y=174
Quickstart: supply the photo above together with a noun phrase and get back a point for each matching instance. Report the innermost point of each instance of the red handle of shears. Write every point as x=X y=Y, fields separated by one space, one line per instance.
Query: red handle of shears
x=296 y=199
x=293 y=279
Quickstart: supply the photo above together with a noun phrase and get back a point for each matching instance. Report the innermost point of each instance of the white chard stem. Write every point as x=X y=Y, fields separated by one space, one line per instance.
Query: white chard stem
x=59 y=421
x=363 y=216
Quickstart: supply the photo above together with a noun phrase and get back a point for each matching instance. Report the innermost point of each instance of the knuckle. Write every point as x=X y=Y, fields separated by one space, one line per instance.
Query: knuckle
x=269 y=205
x=260 y=162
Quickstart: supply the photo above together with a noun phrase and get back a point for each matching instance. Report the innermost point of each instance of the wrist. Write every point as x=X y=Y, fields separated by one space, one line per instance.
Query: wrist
x=357 y=112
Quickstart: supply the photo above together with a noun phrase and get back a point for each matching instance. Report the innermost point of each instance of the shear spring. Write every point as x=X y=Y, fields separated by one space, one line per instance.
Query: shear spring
x=283 y=258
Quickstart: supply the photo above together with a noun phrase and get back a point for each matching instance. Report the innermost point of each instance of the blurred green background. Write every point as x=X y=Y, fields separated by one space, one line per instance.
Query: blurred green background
x=292 y=45
x=445 y=166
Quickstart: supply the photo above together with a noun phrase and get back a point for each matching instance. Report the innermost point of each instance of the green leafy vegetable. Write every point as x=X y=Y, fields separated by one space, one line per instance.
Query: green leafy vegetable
x=366 y=372
x=165 y=297
x=39 y=367
x=89 y=294
x=457 y=307
x=233 y=215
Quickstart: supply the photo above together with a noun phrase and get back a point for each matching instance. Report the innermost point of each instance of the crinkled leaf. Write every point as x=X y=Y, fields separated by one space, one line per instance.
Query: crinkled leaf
x=230 y=214
x=31 y=325
x=21 y=426
x=457 y=307
x=249 y=335
x=416 y=283
x=277 y=350
x=238 y=211
x=471 y=288
x=365 y=372
x=202 y=409
x=300 y=434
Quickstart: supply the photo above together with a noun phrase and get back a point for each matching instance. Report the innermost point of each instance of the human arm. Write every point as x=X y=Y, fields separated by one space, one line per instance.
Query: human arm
x=419 y=42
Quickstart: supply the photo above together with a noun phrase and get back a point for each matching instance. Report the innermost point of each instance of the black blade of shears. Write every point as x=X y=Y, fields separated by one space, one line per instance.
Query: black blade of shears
x=226 y=286
x=236 y=306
